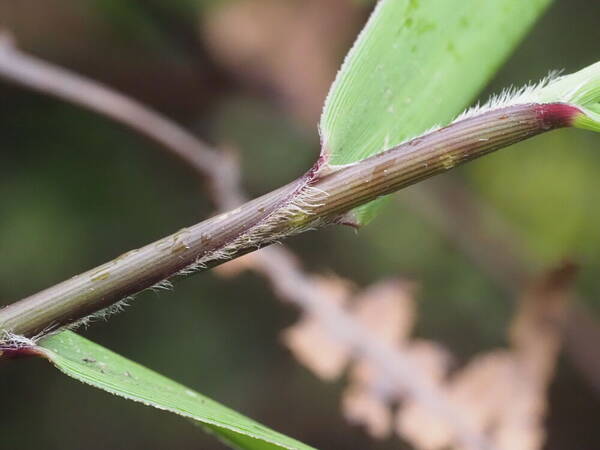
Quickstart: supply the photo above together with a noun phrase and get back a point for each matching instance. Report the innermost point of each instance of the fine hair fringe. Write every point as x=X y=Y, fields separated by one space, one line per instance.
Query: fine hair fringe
x=300 y=205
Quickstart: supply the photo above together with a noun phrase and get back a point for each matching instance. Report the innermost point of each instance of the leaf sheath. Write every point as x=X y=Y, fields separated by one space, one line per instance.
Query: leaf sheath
x=280 y=214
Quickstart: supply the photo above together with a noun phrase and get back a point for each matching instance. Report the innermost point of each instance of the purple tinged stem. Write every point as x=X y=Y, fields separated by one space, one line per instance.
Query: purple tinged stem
x=338 y=192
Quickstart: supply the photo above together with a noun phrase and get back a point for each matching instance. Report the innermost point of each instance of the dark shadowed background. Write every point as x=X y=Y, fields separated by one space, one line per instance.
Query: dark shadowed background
x=77 y=190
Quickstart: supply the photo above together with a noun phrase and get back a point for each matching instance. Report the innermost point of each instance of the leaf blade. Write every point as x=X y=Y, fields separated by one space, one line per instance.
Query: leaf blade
x=99 y=367
x=416 y=64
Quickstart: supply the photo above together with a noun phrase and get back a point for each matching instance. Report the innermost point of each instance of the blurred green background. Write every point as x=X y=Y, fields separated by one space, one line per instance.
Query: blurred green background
x=77 y=190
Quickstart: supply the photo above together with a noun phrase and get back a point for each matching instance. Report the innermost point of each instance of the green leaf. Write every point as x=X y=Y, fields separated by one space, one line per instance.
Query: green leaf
x=99 y=367
x=416 y=64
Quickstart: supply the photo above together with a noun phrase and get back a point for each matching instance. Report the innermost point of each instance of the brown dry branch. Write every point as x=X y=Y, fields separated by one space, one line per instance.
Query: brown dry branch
x=41 y=76
x=276 y=264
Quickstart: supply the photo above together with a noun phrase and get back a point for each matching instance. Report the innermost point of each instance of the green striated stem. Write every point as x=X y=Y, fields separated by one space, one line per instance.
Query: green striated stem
x=336 y=193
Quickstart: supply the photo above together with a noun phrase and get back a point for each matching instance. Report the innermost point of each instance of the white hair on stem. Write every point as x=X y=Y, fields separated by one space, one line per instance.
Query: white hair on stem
x=298 y=208
x=580 y=89
x=13 y=341
x=510 y=97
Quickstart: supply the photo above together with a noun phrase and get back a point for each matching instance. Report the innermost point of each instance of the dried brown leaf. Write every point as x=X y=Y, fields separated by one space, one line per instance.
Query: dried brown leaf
x=361 y=406
x=311 y=343
x=422 y=429
x=431 y=358
x=503 y=393
x=314 y=348
x=388 y=309
x=415 y=422
x=479 y=392
x=536 y=332
x=536 y=335
x=370 y=390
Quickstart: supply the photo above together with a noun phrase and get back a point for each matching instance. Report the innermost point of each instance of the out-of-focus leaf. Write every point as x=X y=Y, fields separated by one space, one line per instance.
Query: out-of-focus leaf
x=290 y=48
x=92 y=364
x=416 y=64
